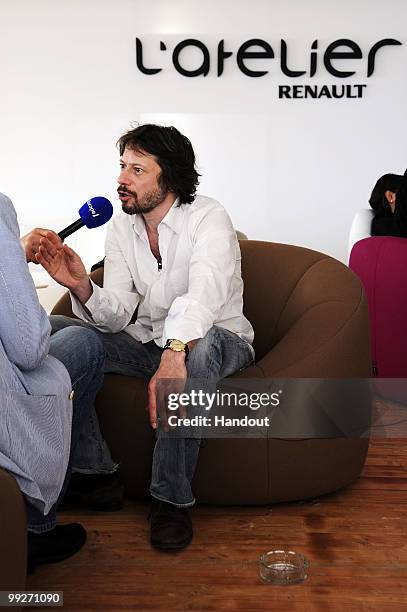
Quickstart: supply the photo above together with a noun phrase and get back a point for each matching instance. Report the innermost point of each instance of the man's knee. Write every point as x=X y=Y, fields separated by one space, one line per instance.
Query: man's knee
x=212 y=339
x=80 y=342
x=59 y=322
x=91 y=343
x=207 y=349
x=221 y=352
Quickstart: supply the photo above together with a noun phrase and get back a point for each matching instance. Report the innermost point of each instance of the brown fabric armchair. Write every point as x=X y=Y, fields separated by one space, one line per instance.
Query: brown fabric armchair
x=310 y=320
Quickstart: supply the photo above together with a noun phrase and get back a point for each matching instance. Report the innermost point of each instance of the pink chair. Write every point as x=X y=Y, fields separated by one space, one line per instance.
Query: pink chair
x=381 y=264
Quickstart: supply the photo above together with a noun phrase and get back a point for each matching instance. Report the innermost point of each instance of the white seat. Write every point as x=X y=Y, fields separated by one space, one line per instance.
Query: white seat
x=361 y=227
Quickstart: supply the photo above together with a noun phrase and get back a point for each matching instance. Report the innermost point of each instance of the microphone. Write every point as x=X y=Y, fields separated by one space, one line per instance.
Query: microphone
x=94 y=213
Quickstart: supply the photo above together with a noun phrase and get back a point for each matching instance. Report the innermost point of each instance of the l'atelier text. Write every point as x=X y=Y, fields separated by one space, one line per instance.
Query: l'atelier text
x=259 y=49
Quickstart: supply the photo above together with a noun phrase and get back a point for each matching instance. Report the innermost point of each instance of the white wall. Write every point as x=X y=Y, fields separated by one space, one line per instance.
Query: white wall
x=289 y=171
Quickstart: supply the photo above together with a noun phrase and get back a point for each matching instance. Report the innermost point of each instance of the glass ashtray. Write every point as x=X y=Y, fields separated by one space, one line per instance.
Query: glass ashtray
x=283 y=567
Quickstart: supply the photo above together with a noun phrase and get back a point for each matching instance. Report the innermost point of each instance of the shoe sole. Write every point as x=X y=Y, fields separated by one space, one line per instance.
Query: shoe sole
x=34 y=562
x=171 y=547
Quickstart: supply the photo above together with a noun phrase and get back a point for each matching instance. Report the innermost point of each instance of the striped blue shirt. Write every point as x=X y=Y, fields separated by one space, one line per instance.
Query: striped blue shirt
x=35 y=409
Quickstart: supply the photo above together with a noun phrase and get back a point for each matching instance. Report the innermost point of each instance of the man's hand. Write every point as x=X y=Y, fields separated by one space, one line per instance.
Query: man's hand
x=169 y=378
x=64 y=265
x=31 y=243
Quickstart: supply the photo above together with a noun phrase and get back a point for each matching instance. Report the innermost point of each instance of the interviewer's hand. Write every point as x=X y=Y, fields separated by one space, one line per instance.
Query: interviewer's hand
x=31 y=243
x=64 y=265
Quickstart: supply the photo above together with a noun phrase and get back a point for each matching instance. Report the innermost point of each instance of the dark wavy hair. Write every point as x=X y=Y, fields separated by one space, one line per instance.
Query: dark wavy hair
x=387 y=182
x=174 y=154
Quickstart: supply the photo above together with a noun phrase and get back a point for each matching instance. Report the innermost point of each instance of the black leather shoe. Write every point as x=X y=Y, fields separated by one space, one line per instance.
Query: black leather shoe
x=171 y=527
x=101 y=492
x=53 y=546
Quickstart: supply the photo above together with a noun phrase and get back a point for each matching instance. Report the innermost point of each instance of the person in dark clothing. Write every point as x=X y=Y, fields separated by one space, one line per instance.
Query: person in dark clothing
x=389 y=201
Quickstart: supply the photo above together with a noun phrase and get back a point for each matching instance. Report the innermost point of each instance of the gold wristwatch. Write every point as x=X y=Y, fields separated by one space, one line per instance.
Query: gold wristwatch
x=177 y=346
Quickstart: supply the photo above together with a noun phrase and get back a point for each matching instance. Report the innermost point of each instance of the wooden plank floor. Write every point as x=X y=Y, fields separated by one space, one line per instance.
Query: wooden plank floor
x=354 y=539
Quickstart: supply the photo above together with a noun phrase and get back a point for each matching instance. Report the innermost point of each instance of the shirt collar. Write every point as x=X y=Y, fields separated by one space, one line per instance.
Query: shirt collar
x=173 y=219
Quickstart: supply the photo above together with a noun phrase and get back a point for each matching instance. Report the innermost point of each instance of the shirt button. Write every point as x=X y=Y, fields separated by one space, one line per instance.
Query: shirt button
x=71 y=395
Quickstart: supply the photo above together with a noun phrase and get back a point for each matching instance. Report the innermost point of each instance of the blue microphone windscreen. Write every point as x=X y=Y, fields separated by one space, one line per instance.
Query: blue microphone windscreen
x=96 y=212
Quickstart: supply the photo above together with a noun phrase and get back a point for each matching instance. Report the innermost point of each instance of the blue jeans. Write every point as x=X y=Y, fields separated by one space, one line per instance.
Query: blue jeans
x=219 y=354
x=85 y=367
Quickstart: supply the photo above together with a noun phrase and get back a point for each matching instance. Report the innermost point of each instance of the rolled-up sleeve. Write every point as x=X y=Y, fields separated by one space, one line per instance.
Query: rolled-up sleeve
x=211 y=270
x=111 y=307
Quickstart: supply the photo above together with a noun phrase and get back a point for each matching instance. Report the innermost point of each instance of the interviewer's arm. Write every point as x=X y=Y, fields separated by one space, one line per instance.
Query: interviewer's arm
x=24 y=325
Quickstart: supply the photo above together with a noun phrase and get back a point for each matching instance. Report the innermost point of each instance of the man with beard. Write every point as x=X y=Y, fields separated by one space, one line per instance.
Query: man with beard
x=171 y=306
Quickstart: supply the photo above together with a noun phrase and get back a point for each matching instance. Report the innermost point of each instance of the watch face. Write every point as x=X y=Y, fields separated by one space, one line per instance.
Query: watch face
x=177 y=345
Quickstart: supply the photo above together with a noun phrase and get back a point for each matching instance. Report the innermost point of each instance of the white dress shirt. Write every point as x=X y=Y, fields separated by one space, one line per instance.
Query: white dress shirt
x=198 y=286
